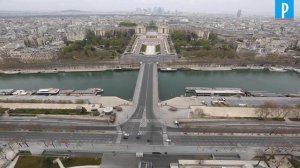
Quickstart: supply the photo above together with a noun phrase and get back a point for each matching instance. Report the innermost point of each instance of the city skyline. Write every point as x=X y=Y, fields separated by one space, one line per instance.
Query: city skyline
x=264 y=7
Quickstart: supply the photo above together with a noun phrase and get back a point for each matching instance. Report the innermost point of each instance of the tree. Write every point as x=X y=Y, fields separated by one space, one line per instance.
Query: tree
x=282 y=112
x=261 y=155
x=268 y=109
x=199 y=113
x=264 y=110
x=295 y=113
x=48 y=163
x=127 y=24
x=90 y=38
x=113 y=41
x=95 y=113
x=186 y=128
x=213 y=36
x=83 y=110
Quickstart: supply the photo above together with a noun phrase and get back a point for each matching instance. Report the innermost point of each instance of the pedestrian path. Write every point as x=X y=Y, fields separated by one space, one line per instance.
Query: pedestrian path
x=7 y=154
x=165 y=136
x=120 y=133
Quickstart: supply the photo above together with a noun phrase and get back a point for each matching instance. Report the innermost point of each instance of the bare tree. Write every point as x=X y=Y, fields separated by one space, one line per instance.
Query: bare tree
x=261 y=156
x=270 y=109
x=186 y=128
x=282 y=112
x=295 y=112
x=265 y=111
x=198 y=113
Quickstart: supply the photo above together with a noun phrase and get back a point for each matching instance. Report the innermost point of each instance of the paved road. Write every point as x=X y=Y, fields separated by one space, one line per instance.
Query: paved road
x=143 y=120
x=242 y=126
x=137 y=58
x=233 y=140
x=57 y=137
x=54 y=125
x=269 y=130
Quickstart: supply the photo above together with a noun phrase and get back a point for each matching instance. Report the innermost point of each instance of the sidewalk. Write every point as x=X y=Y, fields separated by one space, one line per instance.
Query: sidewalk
x=106 y=101
x=7 y=155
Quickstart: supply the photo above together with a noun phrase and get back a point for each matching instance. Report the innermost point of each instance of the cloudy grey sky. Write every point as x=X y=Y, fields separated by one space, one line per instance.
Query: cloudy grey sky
x=200 y=6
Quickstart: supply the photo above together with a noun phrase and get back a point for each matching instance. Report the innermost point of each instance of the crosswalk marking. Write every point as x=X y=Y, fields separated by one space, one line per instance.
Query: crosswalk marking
x=143 y=122
x=119 y=137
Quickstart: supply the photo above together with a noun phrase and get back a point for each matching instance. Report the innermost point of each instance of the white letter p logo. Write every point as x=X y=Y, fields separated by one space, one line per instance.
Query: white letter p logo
x=284 y=9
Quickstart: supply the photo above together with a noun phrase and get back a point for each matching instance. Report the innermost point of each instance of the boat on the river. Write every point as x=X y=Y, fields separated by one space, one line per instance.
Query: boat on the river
x=168 y=69
x=240 y=68
x=296 y=70
x=48 y=91
x=257 y=67
x=289 y=68
x=87 y=92
x=50 y=72
x=294 y=95
x=11 y=72
x=277 y=69
x=98 y=90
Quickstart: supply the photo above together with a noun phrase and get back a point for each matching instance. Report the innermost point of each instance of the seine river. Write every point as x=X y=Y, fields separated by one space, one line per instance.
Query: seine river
x=173 y=84
x=114 y=83
x=122 y=83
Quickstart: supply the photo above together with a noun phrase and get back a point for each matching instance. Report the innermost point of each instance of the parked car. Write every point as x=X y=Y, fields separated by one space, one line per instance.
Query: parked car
x=125 y=136
x=168 y=140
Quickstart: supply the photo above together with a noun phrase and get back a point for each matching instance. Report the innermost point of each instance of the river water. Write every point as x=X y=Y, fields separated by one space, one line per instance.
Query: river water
x=173 y=84
x=114 y=83
x=122 y=83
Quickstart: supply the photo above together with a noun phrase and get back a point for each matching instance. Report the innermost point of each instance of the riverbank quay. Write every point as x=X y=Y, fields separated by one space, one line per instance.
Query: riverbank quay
x=56 y=68
x=105 y=101
x=88 y=102
x=219 y=116
x=191 y=108
x=95 y=102
x=224 y=67
x=241 y=61
x=187 y=102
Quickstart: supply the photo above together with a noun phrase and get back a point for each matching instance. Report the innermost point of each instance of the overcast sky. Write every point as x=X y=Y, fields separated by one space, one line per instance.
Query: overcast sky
x=200 y=6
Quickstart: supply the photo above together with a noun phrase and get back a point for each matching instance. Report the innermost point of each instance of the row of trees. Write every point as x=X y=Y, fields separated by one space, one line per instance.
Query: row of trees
x=190 y=41
x=157 y=48
x=272 y=110
x=143 y=48
x=114 y=40
x=2 y=110
x=127 y=24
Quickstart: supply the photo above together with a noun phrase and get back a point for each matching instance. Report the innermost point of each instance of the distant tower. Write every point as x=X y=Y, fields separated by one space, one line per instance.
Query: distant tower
x=262 y=27
x=239 y=13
